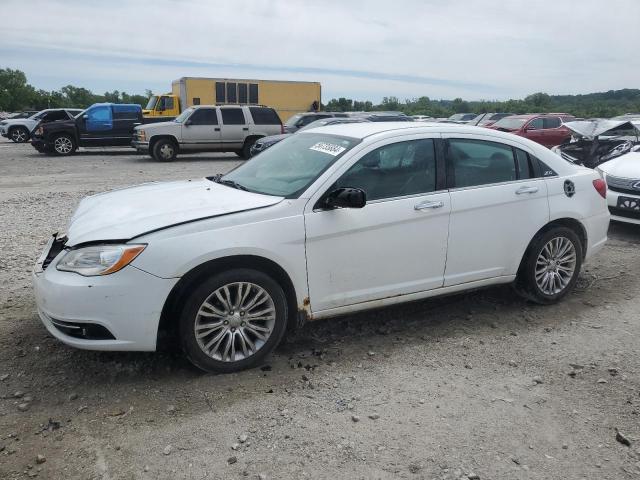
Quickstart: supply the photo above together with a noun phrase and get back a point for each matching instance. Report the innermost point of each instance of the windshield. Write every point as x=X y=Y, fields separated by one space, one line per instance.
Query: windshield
x=509 y=123
x=183 y=116
x=290 y=166
x=152 y=102
x=292 y=121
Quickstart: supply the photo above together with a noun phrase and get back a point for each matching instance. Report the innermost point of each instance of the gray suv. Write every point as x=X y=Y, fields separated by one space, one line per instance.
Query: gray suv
x=208 y=128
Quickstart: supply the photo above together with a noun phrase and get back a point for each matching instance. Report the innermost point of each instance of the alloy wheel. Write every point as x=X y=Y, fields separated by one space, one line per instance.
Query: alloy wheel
x=235 y=321
x=166 y=151
x=63 y=145
x=19 y=135
x=555 y=265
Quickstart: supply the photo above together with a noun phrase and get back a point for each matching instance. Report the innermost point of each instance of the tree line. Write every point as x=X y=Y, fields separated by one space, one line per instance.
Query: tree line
x=17 y=94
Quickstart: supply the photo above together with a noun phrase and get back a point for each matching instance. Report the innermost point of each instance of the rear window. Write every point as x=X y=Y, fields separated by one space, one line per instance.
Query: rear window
x=264 y=116
x=125 y=112
x=551 y=122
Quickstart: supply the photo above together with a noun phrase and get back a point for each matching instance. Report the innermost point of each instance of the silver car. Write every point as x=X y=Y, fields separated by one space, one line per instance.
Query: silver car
x=19 y=129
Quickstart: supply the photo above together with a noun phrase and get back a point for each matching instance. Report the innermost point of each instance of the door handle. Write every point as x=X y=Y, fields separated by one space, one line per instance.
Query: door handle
x=427 y=205
x=246 y=129
x=217 y=129
x=522 y=190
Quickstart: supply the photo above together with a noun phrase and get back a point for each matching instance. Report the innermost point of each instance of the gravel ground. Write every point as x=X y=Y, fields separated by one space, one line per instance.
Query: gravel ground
x=473 y=386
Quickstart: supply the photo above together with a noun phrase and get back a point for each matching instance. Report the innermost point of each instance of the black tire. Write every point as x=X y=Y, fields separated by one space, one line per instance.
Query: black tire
x=245 y=153
x=204 y=291
x=526 y=284
x=19 y=134
x=64 y=145
x=164 y=150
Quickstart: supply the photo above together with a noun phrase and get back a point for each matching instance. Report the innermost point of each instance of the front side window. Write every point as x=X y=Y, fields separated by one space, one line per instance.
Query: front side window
x=204 y=116
x=232 y=116
x=290 y=166
x=99 y=118
x=477 y=162
x=395 y=170
x=55 y=115
x=166 y=103
x=184 y=115
x=536 y=124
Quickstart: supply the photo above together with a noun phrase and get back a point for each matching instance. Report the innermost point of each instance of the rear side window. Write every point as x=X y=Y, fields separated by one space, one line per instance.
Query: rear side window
x=551 y=122
x=204 y=116
x=125 y=112
x=264 y=116
x=477 y=162
x=54 y=116
x=232 y=116
x=524 y=165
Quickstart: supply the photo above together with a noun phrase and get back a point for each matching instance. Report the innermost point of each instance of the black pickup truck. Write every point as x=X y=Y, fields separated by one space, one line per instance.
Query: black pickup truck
x=100 y=125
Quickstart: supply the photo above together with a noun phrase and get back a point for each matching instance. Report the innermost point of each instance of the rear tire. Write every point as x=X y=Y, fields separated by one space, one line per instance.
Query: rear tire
x=221 y=330
x=64 y=145
x=551 y=266
x=164 y=150
x=245 y=153
x=19 y=134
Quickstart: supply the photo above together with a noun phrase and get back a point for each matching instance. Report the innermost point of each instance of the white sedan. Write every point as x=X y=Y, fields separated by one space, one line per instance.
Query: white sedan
x=327 y=222
x=622 y=175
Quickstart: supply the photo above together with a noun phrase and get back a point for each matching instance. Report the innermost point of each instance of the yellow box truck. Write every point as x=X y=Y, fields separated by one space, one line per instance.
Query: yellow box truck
x=286 y=97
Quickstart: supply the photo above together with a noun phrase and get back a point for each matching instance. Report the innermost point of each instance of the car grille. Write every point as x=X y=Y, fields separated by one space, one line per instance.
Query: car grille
x=623 y=185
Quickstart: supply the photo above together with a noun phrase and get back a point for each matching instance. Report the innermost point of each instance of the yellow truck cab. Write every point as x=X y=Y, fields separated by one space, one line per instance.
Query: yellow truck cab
x=286 y=97
x=165 y=105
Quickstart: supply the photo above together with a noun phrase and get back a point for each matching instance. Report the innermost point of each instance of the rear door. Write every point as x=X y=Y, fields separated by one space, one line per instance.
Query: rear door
x=498 y=203
x=234 y=128
x=201 y=131
x=125 y=118
x=554 y=132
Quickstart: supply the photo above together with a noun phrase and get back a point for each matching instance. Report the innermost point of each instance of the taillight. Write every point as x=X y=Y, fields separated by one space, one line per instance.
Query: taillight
x=601 y=187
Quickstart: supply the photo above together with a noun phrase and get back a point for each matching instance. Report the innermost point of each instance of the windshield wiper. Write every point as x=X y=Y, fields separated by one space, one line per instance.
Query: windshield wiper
x=230 y=183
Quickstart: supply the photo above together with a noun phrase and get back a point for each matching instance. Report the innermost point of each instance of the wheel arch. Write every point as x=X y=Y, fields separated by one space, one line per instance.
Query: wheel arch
x=575 y=225
x=167 y=327
x=155 y=138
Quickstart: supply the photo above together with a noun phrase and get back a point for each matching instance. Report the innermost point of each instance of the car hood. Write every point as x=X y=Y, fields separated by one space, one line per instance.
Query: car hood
x=590 y=129
x=625 y=166
x=152 y=125
x=131 y=212
x=19 y=121
x=274 y=138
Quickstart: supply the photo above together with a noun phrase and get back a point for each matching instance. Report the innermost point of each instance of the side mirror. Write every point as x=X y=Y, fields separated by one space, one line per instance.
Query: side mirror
x=346 y=197
x=187 y=123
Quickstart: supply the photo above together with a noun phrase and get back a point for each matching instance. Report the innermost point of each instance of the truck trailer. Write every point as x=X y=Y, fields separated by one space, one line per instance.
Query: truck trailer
x=286 y=97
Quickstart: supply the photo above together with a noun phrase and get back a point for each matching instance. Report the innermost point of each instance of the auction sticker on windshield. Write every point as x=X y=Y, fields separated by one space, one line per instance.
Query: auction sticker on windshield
x=328 y=148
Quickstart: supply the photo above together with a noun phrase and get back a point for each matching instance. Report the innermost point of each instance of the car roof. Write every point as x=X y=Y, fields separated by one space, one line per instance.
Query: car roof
x=362 y=130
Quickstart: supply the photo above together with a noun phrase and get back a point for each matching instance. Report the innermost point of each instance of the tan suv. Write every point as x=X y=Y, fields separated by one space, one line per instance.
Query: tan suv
x=208 y=128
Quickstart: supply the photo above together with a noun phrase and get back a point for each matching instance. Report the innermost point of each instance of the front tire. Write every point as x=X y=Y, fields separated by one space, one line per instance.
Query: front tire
x=164 y=151
x=19 y=134
x=245 y=153
x=64 y=145
x=233 y=320
x=551 y=267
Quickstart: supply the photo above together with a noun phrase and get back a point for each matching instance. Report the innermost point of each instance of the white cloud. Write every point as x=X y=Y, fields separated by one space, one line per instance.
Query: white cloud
x=480 y=49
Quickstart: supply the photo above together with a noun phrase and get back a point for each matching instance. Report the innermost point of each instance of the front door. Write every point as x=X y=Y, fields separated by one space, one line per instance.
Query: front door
x=201 y=130
x=497 y=205
x=396 y=244
x=96 y=125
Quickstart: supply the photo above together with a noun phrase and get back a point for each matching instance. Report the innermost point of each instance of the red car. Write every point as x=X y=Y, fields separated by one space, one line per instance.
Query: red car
x=547 y=129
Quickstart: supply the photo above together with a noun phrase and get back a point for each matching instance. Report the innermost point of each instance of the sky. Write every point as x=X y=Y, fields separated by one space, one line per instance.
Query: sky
x=360 y=49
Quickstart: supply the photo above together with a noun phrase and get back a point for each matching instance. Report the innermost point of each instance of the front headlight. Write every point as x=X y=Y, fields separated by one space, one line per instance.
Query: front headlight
x=38 y=131
x=142 y=135
x=99 y=259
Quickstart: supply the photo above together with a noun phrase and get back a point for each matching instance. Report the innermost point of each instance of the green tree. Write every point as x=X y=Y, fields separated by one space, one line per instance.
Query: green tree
x=15 y=92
